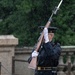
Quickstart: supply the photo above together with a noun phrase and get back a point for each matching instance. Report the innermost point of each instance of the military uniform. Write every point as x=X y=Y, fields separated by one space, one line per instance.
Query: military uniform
x=48 y=59
x=48 y=54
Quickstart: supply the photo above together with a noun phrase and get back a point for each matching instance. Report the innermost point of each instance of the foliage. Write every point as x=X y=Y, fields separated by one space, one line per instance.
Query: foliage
x=23 y=17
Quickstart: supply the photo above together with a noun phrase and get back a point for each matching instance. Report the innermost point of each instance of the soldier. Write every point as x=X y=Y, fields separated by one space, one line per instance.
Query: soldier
x=48 y=54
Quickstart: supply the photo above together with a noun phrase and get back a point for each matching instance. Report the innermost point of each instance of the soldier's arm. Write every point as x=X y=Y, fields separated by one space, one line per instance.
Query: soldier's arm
x=53 y=51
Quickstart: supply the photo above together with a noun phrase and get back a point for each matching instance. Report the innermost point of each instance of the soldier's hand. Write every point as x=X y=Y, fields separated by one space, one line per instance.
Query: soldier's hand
x=35 y=54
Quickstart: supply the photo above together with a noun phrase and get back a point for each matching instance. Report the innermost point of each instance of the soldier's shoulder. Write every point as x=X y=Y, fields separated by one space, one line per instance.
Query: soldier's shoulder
x=57 y=44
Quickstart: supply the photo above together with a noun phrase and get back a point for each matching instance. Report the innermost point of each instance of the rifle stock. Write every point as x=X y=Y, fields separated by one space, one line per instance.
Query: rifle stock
x=33 y=62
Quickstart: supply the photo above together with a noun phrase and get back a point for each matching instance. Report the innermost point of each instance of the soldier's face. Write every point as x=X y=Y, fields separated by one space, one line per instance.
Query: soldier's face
x=50 y=35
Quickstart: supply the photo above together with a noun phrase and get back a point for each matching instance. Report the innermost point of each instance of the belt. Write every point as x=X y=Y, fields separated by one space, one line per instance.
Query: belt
x=46 y=68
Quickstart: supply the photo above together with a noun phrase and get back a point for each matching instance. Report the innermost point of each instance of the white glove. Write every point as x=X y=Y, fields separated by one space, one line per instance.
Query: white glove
x=35 y=54
x=46 y=35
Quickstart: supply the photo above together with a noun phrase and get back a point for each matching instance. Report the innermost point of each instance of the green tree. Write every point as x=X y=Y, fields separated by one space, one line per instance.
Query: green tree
x=23 y=17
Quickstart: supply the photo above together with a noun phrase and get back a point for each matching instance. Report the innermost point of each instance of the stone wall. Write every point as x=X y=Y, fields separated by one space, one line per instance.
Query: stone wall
x=22 y=54
x=21 y=65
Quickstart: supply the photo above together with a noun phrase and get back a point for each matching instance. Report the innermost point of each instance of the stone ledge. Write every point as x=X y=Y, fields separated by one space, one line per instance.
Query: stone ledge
x=6 y=40
x=68 y=47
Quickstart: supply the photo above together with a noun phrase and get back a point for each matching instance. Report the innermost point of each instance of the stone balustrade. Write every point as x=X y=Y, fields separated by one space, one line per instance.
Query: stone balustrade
x=66 y=62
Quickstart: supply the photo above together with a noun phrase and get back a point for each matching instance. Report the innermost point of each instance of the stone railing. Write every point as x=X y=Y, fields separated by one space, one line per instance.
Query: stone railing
x=66 y=62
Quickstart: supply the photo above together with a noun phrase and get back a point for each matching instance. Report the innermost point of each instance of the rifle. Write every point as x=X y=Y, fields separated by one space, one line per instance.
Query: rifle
x=33 y=62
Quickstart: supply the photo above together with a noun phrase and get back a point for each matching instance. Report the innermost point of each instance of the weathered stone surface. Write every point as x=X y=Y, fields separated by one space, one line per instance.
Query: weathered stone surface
x=8 y=40
x=7 y=47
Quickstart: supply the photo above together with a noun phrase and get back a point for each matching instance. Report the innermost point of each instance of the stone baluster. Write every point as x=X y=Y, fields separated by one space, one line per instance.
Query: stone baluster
x=61 y=65
x=68 y=63
x=69 y=54
x=73 y=66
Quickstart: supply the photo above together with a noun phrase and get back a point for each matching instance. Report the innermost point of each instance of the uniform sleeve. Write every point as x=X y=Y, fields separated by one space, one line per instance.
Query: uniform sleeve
x=52 y=51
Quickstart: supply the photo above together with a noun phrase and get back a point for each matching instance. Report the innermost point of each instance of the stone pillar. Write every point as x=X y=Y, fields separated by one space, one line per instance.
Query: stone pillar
x=7 y=47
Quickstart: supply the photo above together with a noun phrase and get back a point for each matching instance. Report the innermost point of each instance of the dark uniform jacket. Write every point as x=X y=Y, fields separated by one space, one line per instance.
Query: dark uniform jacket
x=48 y=57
